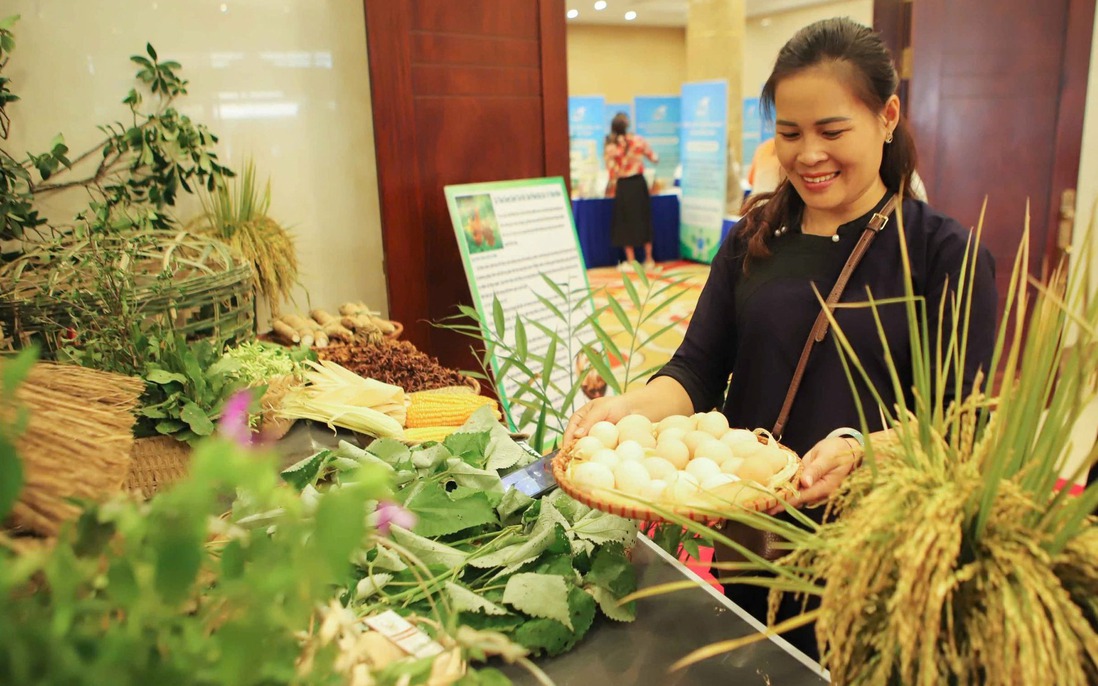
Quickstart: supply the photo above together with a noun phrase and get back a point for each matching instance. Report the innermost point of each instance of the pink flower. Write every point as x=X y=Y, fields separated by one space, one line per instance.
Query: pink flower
x=390 y=513
x=234 y=419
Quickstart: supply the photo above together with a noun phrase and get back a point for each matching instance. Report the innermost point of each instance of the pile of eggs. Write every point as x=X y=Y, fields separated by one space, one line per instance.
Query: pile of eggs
x=691 y=461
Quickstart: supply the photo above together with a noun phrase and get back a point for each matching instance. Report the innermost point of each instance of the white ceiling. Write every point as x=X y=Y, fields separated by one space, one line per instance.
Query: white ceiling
x=667 y=12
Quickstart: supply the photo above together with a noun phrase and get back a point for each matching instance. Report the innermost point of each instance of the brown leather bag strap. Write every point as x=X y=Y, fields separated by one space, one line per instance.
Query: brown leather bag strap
x=819 y=328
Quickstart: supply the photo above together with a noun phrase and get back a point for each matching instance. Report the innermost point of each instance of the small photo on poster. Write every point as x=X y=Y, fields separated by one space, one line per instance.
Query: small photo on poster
x=478 y=221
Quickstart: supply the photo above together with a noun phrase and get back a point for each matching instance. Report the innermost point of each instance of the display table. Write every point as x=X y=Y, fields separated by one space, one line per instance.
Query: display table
x=593 y=217
x=667 y=627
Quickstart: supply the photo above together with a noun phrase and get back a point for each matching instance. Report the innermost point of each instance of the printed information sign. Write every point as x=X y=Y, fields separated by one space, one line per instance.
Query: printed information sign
x=513 y=237
x=704 y=167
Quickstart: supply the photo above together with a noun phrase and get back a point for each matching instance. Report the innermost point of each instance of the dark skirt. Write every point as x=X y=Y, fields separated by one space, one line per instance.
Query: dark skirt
x=632 y=213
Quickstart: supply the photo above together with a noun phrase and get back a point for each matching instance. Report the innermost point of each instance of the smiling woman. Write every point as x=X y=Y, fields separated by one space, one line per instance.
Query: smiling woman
x=848 y=159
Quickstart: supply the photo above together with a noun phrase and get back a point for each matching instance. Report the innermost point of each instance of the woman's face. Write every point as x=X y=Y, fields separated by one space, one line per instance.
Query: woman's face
x=830 y=144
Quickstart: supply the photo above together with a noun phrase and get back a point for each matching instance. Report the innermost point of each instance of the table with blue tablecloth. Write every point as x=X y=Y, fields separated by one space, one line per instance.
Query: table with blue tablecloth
x=593 y=217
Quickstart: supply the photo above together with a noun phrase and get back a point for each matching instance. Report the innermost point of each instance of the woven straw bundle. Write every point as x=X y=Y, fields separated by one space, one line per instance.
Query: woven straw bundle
x=77 y=442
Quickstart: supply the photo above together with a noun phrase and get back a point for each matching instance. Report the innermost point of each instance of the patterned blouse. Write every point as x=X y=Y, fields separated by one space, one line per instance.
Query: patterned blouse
x=627 y=158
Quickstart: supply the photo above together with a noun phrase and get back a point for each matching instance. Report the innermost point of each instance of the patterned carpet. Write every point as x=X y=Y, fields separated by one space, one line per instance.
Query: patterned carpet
x=688 y=277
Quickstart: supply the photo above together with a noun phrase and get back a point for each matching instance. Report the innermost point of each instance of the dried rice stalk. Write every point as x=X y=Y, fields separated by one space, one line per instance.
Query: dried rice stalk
x=77 y=443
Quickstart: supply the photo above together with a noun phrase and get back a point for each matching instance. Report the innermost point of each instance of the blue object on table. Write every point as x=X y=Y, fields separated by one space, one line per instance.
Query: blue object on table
x=727 y=225
x=593 y=217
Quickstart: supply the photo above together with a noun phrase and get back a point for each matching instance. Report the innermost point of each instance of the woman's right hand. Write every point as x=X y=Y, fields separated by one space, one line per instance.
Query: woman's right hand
x=609 y=409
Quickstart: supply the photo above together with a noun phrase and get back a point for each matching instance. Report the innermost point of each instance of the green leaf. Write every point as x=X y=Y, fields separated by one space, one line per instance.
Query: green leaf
x=196 y=418
x=390 y=450
x=149 y=49
x=370 y=585
x=610 y=607
x=15 y=369
x=232 y=560
x=439 y=515
x=464 y=600
x=302 y=473
x=601 y=527
x=611 y=570
x=513 y=504
x=179 y=556
x=169 y=426
x=11 y=476
x=469 y=446
x=430 y=552
x=498 y=318
x=553 y=637
x=539 y=595
x=464 y=474
x=340 y=528
x=162 y=376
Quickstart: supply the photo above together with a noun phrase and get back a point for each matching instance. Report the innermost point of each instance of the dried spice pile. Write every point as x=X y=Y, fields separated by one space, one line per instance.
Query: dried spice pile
x=395 y=362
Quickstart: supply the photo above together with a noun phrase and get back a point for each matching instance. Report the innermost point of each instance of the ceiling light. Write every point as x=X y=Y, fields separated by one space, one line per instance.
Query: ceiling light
x=572 y=14
x=630 y=15
x=600 y=5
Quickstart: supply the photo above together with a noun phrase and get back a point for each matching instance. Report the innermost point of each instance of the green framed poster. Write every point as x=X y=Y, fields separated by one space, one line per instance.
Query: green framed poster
x=523 y=262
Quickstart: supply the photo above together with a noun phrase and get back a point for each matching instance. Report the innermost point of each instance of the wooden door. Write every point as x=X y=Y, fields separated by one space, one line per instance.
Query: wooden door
x=463 y=92
x=997 y=96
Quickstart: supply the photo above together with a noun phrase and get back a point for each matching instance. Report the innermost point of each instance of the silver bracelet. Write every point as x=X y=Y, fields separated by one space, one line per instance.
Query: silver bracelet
x=846 y=431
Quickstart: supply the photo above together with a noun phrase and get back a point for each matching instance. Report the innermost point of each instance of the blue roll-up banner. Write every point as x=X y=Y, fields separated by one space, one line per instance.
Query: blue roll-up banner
x=756 y=129
x=586 y=132
x=658 y=121
x=704 y=167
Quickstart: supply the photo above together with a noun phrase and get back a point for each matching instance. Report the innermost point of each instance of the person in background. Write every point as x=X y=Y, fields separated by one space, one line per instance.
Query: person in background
x=845 y=151
x=625 y=153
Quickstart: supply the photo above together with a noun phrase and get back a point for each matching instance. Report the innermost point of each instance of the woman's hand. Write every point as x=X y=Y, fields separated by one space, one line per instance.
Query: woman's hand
x=609 y=409
x=825 y=466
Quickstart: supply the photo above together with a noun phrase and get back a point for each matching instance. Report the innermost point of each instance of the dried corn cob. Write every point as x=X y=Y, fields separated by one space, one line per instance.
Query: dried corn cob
x=445 y=409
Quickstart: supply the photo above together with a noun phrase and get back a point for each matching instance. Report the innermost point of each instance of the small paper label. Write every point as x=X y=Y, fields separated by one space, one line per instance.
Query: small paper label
x=407 y=637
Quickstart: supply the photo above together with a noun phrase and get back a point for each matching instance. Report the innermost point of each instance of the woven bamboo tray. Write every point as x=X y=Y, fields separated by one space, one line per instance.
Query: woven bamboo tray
x=158 y=462
x=782 y=486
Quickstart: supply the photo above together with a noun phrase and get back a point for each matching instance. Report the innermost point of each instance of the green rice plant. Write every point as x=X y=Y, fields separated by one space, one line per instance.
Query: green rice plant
x=549 y=380
x=951 y=557
x=235 y=212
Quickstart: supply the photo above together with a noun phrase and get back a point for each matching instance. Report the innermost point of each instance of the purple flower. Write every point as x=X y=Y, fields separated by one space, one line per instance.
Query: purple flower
x=389 y=513
x=234 y=419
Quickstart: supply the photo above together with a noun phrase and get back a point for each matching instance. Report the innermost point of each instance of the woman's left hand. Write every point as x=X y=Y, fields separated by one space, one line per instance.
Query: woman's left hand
x=825 y=466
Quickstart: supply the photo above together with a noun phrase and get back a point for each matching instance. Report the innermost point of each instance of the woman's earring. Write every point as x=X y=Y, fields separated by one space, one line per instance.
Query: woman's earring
x=889 y=139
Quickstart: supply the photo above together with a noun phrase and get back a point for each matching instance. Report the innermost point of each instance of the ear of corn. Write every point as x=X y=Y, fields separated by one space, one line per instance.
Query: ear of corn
x=428 y=433
x=445 y=409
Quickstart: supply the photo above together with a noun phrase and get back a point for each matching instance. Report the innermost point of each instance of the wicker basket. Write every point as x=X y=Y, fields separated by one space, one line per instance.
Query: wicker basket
x=197 y=285
x=158 y=462
x=781 y=486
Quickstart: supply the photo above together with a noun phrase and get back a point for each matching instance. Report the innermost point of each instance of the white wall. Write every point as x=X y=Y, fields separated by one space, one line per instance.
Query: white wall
x=285 y=81
x=765 y=35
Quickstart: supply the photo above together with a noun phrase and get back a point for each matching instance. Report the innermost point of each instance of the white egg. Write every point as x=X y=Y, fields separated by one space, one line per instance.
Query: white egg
x=674 y=451
x=674 y=432
x=693 y=439
x=776 y=457
x=647 y=440
x=655 y=490
x=631 y=476
x=591 y=476
x=630 y=450
x=713 y=423
x=743 y=442
x=659 y=468
x=587 y=446
x=702 y=468
x=714 y=450
x=606 y=456
x=675 y=421
x=634 y=423
x=719 y=491
x=606 y=432
x=731 y=465
x=682 y=488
